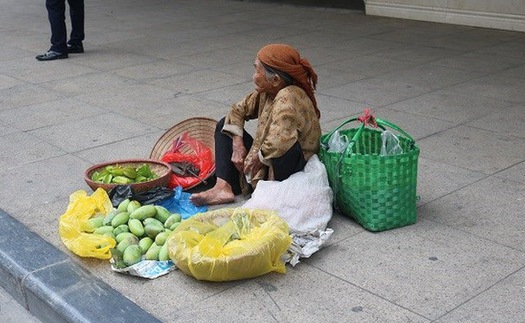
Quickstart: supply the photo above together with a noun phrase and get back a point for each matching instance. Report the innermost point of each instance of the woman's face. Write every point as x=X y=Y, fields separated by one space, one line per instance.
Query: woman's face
x=259 y=79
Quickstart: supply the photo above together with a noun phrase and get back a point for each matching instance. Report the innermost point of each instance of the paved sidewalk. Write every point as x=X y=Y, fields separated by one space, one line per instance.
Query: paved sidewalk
x=459 y=91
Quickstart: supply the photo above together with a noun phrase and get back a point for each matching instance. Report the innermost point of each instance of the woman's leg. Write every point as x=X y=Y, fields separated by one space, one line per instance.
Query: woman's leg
x=291 y=162
x=228 y=184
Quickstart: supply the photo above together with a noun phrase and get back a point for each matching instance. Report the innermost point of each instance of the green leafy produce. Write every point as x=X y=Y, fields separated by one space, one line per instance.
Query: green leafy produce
x=118 y=174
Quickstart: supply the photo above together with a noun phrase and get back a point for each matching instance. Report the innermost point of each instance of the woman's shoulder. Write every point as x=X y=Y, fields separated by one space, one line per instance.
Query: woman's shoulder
x=291 y=90
x=295 y=95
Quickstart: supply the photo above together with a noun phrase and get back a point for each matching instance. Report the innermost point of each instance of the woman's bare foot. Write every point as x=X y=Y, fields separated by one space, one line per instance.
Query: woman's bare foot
x=221 y=193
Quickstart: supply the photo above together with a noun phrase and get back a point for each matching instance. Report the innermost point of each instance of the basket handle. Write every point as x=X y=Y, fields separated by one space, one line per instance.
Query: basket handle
x=380 y=123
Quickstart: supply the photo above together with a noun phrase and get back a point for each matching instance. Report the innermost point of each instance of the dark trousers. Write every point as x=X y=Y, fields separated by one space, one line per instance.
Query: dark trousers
x=291 y=162
x=56 y=11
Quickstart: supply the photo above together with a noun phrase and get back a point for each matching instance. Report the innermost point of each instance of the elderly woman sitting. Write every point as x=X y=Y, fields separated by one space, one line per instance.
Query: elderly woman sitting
x=288 y=129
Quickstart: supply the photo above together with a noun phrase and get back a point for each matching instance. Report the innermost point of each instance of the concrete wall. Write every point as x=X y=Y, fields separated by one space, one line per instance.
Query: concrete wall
x=497 y=14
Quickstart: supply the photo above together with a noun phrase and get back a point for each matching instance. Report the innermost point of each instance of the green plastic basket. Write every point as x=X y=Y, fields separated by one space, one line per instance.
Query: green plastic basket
x=379 y=192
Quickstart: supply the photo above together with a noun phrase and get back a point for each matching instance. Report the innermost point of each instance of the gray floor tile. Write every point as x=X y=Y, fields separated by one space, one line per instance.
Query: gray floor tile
x=452 y=106
x=30 y=70
x=498 y=87
x=287 y=298
x=436 y=179
x=499 y=304
x=154 y=70
x=510 y=121
x=130 y=148
x=49 y=113
x=514 y=173
x=369 y=65
x=6 y=129
x=129 y=100
x=25 y=94
x=477 y=62
x=475 y=149
x=198 y=81
x=490 y=208
x=431 y=77
x=427 y=268
x=89 y=83
x=7 y=82
x=416 y=54
x=41 y=182
x=92 y=132
x=376 y=91
x=106 y=59
x=20 y=148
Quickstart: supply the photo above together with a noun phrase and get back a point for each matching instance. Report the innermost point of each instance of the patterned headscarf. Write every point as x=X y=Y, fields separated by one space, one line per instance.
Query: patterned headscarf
x=286 y=59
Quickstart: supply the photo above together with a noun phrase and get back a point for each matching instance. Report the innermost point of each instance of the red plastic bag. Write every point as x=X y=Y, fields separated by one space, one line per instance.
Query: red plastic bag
x=190 y=151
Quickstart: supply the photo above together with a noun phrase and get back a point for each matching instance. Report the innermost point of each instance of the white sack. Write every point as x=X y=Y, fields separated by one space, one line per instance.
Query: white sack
x=304 y=201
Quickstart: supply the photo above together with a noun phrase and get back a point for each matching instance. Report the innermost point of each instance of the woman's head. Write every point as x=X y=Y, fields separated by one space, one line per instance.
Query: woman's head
x=285 y=62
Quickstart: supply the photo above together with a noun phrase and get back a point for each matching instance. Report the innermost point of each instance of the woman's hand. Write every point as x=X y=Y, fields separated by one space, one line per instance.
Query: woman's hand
x=239 y=153
x=253 y=166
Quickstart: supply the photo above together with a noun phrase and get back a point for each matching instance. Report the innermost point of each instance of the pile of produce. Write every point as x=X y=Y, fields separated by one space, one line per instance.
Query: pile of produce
x=139 y=230
x=118 y=174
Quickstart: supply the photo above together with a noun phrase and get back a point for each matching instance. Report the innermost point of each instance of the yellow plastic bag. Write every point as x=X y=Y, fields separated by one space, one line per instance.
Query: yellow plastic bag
x=230 y=244
x=73 y=224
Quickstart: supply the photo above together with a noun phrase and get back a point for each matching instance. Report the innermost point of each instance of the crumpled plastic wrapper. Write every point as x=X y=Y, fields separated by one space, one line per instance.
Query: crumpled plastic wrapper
x=306 y=244
x=147 y=268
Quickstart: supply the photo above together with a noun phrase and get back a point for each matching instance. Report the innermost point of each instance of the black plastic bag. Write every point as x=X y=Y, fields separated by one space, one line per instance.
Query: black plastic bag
x=121 y=192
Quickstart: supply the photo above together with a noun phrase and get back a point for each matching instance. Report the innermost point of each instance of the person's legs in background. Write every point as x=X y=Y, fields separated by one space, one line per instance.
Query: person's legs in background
x=57 y=20
x=56 y=13
x=76 y=11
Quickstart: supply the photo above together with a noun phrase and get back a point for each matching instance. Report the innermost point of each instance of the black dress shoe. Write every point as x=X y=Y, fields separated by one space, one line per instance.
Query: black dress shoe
x=75 y=48
x=51 y=55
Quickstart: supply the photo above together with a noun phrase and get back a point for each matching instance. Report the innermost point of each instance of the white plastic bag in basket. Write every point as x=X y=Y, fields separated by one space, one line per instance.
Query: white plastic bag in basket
x=304 y=201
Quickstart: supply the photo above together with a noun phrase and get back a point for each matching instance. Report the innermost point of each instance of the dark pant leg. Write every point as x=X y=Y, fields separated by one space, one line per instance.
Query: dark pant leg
x=224 y=168
x=76 y=11
x=56 y=14
x=291 y=162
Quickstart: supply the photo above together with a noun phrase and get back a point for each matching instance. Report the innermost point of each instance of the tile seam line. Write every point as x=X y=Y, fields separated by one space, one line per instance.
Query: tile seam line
x=371 y=293
x=478 y=294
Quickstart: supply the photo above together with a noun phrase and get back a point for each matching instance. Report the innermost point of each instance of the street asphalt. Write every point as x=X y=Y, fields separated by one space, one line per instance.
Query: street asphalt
x=459 y=91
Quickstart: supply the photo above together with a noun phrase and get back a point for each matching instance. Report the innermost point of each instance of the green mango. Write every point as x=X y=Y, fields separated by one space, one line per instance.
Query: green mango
x=152 y=221
x=162 y=213
x=96 y=222
x=121 y=218
x=160 y=239
x=123 y=235
x=144 y=212
x=110 y=216
x=123 y=206
x=152 y=230
x=128 y=241
x=175 y=217
x=163 y=253
x=153 y=252
x=136 y=227
x=145 y=243
x=121 y=228
x=104 y=229
x=132 y=206
x=132 y=255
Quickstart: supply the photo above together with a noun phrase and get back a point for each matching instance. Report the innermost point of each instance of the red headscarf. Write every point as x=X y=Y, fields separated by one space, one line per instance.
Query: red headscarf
x=287 y=59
